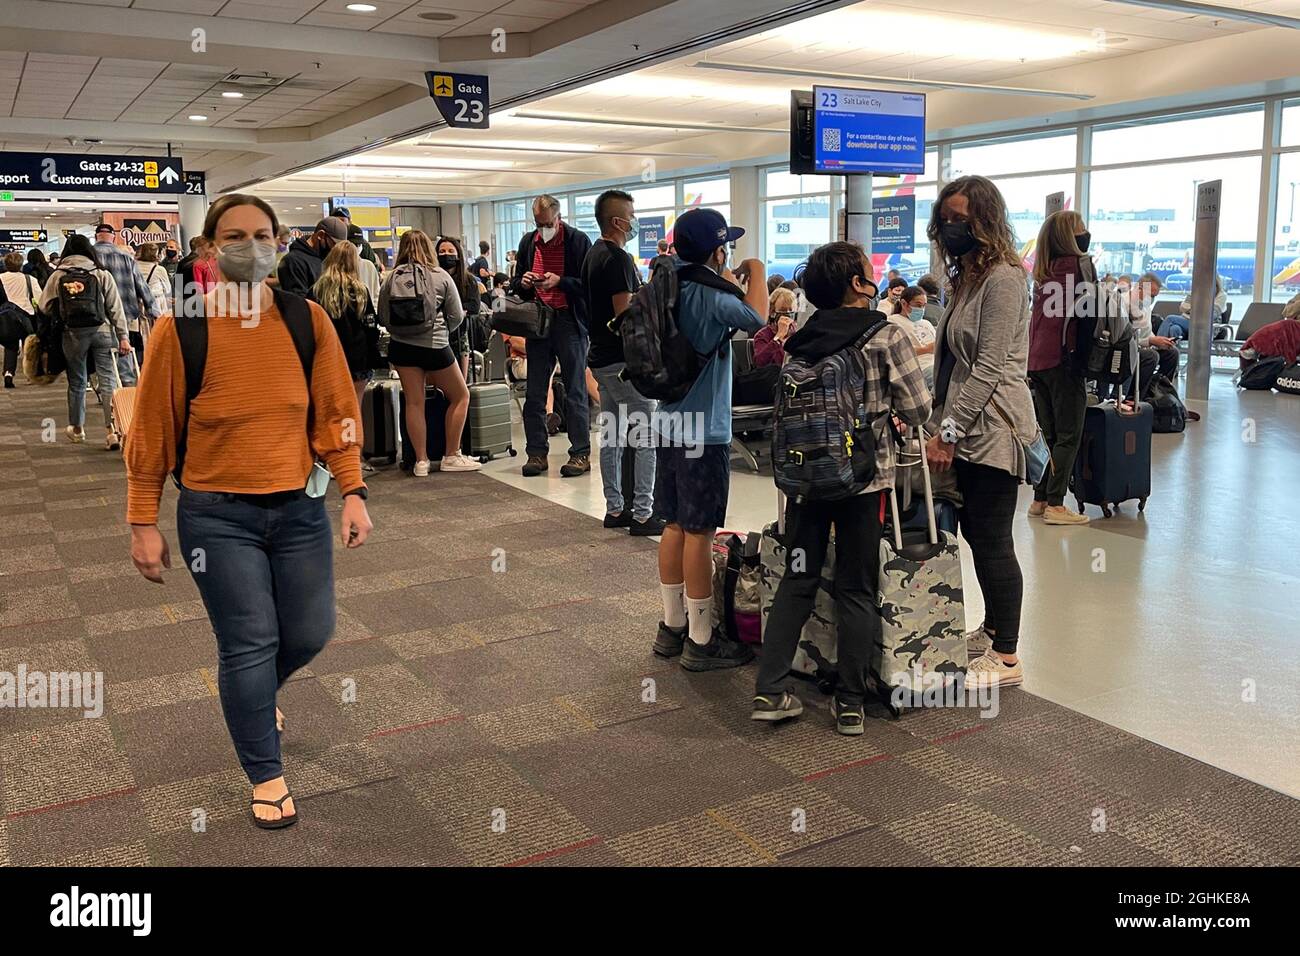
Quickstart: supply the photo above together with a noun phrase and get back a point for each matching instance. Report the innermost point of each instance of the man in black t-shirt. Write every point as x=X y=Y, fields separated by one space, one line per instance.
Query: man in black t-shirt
x=610 y=279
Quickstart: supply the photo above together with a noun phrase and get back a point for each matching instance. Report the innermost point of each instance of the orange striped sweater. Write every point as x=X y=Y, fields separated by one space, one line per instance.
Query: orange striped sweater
x=248 y=427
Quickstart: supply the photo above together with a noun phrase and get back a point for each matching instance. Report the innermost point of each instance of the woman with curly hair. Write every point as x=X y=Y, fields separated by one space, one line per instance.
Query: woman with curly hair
x=982 y=406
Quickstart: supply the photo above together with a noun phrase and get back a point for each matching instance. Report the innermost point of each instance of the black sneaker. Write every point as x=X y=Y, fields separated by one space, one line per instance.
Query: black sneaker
x=669 y=640
x=536 y=465
x=774 y=708
x=648 y=528
x=9 y=380
x=848 y=717
x=620 y=520
x=716 y=655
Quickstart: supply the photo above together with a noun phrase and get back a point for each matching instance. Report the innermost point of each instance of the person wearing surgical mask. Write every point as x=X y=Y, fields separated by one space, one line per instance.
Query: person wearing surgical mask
x=469 y=336
x=301 y=266
x=983 y=414
x=239 y=417
x=548 y=267
x=610 y=279
x=910 y=316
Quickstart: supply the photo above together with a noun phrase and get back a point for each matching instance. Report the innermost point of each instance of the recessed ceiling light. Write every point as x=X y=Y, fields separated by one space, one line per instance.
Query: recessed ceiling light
x=197 y=117
x=436 y=15
x=298 y=208
x=232 y=94
x=362 y=7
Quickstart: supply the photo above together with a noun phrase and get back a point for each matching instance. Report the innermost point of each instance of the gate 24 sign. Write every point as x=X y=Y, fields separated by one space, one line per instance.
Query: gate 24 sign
x=462 y=98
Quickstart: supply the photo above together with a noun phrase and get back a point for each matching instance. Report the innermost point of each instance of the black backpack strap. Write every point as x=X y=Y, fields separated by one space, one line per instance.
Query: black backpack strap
x=297 y=319
x=192 y=334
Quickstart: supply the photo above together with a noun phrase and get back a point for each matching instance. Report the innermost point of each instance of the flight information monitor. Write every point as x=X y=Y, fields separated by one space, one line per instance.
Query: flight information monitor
x=868 y=131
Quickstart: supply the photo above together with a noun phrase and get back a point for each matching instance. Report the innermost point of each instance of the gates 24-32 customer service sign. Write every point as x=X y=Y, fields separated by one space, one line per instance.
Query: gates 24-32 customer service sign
x=90 y=173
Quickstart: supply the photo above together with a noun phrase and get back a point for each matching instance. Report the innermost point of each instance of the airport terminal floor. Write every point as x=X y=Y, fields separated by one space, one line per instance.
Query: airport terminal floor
x=520 y=689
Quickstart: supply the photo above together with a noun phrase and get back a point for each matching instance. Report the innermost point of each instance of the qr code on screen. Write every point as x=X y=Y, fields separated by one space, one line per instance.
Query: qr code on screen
x=831 y=140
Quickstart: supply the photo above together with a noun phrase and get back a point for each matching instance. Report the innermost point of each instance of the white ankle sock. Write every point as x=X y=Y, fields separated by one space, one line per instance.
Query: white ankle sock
x=674 y=596
x=699 y=612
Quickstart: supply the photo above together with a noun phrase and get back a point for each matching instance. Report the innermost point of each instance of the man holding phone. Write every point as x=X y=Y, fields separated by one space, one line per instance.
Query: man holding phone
x=548 y=265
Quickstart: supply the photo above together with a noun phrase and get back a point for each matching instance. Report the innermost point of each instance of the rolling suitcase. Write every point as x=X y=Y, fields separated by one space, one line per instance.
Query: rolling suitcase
x=1114 y=460
x=381 y=405
x=922 y=610
x=435 y=418
x=487 y=426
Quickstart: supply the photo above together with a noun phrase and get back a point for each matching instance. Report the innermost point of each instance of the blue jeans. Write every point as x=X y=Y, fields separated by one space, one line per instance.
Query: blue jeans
x=264 y=565
x=567 y=342
x=98 y=345
x=626 y=418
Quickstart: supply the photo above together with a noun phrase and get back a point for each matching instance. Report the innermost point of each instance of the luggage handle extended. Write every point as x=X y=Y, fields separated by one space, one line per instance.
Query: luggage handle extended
x=923 y=462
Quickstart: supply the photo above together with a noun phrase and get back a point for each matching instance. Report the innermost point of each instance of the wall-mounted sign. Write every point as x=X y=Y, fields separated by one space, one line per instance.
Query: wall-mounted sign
x=6 y=197
x=368 y=212
x=1055 y=202
x=20 y=236
x=196 y=183
x=64 y=172
x=893 y=224
x=462 y=98
x=651 y=229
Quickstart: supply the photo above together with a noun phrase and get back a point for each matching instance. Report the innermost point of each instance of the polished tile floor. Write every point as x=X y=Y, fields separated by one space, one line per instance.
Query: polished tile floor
x=1176 y=625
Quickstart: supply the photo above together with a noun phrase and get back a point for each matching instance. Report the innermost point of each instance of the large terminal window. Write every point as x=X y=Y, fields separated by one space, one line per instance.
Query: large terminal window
x=1026 y=170
x=1285 y=281
x=796 y=218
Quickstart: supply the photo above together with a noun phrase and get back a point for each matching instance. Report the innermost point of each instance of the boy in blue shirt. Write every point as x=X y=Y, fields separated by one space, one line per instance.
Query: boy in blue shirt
x=693 y=457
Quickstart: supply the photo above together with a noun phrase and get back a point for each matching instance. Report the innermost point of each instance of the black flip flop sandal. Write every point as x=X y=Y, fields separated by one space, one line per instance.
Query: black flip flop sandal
x=279 y=824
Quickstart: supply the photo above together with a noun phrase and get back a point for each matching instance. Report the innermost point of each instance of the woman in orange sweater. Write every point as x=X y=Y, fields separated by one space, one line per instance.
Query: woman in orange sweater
x=239 y=397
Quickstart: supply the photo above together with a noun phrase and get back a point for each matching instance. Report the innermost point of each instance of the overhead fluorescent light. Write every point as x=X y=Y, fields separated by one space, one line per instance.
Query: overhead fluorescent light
x=646 y=124
x=888 y=80
x=197 y=117
x=362 y=7
x=1217 y=12
x=560 y=150
x=232 y=94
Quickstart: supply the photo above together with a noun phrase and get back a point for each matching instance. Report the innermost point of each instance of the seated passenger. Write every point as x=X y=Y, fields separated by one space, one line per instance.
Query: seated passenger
x=838 y=281
x=1156 y=353
x=933 y=298
x=693 y=457
x=1180 y=326
x=770 y=341
x=911 y=318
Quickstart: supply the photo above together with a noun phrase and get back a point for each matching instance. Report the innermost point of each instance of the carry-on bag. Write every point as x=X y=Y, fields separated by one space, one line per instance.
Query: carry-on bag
x=435 y=419
x=1259 y=374
x=737 y=582
x=1169 y=414
x=515 y=315
x=487 y=426
x=922 y=610
x=1288 y=380
x=380 y=412
x=1114 y=460
x=124 y=398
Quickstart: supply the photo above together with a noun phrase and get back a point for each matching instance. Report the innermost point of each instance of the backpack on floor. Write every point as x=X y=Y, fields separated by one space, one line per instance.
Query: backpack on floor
x=661 y=361
x=1288 y=380
x=1260 y=374
x=823 y=443
x=736 y=578
x=80 y=298
x=1170 y=414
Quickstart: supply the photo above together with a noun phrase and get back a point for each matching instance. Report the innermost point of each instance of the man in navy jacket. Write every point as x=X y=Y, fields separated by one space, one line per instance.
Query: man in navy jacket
x=548 y=265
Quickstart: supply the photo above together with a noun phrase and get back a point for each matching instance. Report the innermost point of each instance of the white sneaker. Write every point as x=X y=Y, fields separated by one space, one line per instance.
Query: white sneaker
x=112 y=442
x=75 y=435
x=421 y=469
x=978 y=642
x=1063 y=516
x=460 y=463
x=990 y=671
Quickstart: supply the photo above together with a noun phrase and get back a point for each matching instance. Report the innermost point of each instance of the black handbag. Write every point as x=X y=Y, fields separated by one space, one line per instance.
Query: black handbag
x=530 y=318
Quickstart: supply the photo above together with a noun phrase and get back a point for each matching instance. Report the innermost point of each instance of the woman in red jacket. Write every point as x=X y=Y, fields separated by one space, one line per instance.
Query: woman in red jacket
x=1060 y=394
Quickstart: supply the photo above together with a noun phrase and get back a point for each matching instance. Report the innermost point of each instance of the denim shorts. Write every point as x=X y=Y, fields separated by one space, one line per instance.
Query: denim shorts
x=692 y=485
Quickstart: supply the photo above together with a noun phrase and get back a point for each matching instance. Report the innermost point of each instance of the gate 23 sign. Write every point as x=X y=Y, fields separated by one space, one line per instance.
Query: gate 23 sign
x=462 y=98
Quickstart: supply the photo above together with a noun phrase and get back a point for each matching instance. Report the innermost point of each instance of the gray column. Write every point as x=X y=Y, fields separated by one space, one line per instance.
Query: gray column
x=857 y=209
x=192 y=211
x=1205 y=268
x=746 y=212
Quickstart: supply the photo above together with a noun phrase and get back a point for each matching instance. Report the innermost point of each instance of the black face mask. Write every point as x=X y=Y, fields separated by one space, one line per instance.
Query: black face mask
x=448 y=262
x=1083 y=240
x=957 y=238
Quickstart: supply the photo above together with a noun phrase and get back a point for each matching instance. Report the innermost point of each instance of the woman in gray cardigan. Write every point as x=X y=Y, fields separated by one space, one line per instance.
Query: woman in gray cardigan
x=983 y=410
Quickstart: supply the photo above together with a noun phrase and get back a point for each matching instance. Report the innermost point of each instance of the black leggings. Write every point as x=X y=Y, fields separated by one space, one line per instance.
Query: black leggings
x=986 y=515
x=13 y=352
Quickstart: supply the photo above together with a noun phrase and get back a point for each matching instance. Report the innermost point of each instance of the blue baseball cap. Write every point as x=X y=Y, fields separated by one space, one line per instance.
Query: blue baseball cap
x=698 y=232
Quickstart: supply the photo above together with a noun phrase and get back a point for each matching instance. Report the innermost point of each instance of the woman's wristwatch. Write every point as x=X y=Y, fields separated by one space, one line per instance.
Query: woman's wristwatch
x=948 y=433
x=359 y=492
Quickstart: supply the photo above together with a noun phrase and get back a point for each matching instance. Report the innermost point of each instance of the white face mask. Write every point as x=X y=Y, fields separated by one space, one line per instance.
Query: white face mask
x=547 y=232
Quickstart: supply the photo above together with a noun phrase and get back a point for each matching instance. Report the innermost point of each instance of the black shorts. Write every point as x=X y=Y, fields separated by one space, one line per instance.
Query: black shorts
x=692 y=485
x=402 y=355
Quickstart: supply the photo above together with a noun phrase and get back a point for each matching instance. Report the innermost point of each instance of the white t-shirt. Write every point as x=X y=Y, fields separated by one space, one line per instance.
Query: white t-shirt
x=20 y=288
x=921 y=333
